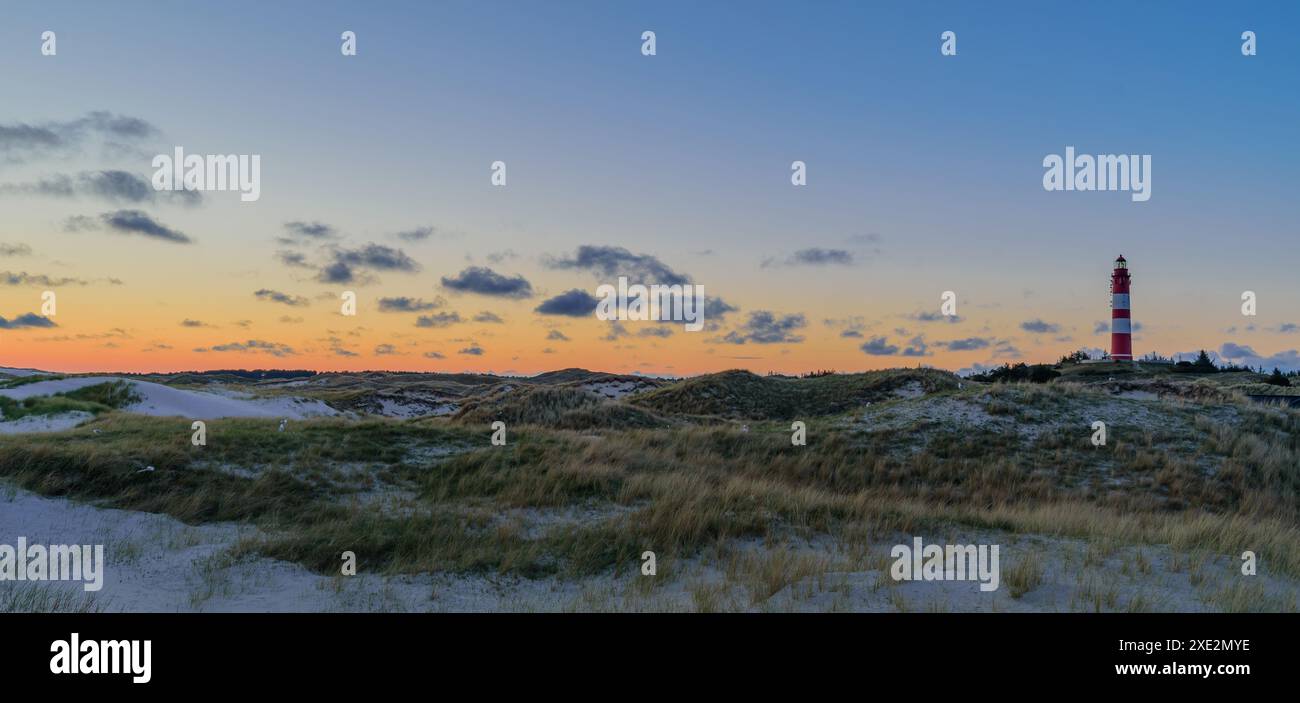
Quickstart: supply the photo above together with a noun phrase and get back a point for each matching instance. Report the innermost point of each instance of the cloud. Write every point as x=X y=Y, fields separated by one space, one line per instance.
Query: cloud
x=1100 y=327
x=417 y=234
x=879 y=346
x=114 y=186
x=1288 y=328
x=15 y=249
x=916 y=347
x=375 y=257
x=472 y=350
x=310 y=230
x=22 y=278
x=616 y=330
x=716 y=308
x=1006 y=350
x=293 y=258
x=1040 y=327
x=29 y=319
x=485 y=281
x=433 y=355
x=571 y=303
x=21 y=140
x=814 y=256
x=764 y=327
x=127 y=222
x=275 y=296
x=557 y=335
x=385 y=350
x=405 y=304
x=935 y=317
x=967 y=344
x=655 y=332
x=252 y=345
x=442 y=319
x=1288 y=360
x=612 y=262
x=488 y=316
x=851 y=334
x=194 y=323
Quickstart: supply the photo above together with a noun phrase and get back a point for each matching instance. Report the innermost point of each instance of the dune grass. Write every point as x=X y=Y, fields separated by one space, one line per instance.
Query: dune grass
x=1225 y=485
x=95 y=399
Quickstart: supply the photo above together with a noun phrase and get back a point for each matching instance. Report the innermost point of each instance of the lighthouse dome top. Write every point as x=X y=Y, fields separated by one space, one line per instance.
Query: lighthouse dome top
x=1120 y=263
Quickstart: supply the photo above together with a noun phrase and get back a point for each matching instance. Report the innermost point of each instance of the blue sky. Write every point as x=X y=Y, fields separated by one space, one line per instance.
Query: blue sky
x=936 y=161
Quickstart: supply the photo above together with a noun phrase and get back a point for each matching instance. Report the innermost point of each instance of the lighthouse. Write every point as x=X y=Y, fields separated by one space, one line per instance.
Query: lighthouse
x=1121 y=329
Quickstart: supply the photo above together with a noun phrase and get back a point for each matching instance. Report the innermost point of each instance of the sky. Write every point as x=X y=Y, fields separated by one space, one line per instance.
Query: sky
x=924 y=175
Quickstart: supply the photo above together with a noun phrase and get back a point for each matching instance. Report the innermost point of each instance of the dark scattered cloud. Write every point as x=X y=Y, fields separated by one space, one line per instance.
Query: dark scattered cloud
x=571 y=303
x=29 y=319
x=557 y=335
x=616 y=330
x=472 y=350
x=967 y=344
x=485 y=281
x=1040 y=327
x=764 y=327
x=612 y=262
x=417 y=234
x=930 y=316
x=385 y=350
x=1006 y=350
x=489 y=317
x=405 y=304
x=433 y=355
x=814 y=256
x=371 y=257
x=293 y=258
x=194 y=323
x=1288 y=360
x=655 y=332
x=20 y=140
x=15 y=249
x=715 y=308
x=22 y=278
x=310 y=230
x=114 y=186
x=252 y=345
x=881 y=346
x=127 y=222
x=275 y=296
x=441 y=319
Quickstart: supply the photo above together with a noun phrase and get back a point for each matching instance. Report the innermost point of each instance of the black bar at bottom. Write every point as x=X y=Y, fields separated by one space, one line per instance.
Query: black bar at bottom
x=333 y=652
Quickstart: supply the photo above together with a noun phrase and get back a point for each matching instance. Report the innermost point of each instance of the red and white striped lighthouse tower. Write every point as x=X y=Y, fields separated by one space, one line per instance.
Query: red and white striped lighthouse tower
x=1121 y=330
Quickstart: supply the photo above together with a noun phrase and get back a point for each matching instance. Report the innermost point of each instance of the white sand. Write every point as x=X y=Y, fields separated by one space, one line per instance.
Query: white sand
x=157 y=399
x=10 y=371
x=44 y=423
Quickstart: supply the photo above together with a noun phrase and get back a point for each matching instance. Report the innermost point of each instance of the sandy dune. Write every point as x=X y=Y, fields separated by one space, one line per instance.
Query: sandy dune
x=157 y=399
x=8 y=371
